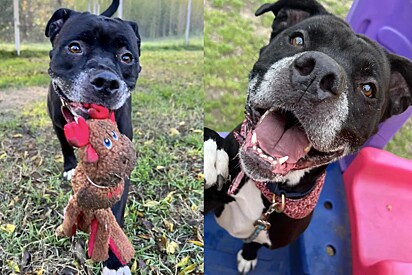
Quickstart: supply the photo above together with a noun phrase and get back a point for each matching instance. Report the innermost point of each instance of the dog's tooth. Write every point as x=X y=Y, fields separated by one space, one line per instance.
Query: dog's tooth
x=274 y=162
x=254 y=148
x=282 y=160
x=263 y=156
x=270 y=158
x=307 y=149
x=254 y=138
x=259 y=150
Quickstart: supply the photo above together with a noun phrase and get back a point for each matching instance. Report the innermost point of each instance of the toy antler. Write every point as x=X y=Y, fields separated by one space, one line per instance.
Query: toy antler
x=77 y=134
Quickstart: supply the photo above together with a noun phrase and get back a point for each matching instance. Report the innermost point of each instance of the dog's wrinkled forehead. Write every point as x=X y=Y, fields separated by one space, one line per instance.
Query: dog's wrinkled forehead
x=94 y=30
x=330 y=35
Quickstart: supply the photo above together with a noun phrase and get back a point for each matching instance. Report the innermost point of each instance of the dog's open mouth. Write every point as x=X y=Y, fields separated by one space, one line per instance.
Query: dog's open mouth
x=72 y=110
x=277 y=143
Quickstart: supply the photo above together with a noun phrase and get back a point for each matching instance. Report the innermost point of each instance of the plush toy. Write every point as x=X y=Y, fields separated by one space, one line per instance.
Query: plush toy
x=106 y=157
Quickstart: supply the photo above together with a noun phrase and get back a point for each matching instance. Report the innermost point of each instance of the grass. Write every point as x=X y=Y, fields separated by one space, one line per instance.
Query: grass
x=163 y=218
x=231 y=49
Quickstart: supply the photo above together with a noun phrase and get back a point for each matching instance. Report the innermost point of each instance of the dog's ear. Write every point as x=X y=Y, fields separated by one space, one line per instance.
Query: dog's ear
x=400 y=87
x=56 y=22
x=135 y=28
x=290 y=12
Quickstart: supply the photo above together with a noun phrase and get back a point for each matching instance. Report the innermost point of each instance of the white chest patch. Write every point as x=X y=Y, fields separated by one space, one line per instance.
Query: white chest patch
x=238 y=216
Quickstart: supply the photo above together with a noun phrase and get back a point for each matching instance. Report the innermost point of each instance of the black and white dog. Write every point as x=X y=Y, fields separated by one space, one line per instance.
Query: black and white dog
x=95 y=59
x=316 y=93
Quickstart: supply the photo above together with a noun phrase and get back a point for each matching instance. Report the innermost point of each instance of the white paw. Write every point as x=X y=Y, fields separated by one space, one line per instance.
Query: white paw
x=124 y=270
x=244 y=266
x=67 y=175
x=216 y=165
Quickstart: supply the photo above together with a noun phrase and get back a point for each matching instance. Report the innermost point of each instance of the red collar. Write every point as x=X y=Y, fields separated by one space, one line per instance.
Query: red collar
x=294 y=208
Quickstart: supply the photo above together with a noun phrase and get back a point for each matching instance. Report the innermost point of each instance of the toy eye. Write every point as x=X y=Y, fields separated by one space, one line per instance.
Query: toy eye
x=108 y=143
x=114 y=135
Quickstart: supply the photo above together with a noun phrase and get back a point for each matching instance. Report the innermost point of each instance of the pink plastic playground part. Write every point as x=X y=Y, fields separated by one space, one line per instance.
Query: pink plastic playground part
x=379 y=192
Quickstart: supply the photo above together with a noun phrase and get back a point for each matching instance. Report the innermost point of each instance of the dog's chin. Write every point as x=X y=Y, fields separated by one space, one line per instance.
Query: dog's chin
x=276 y=146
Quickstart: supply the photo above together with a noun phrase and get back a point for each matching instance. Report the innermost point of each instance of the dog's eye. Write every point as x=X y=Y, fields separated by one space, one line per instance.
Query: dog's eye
x=75 y=47
x=368 y=89
x=114 y=135
x=126 y=58
x=108 y=143
x=297 y=40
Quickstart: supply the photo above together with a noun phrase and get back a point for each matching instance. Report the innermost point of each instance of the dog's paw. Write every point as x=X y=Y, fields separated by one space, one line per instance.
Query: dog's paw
x=124 y=270
x=67 y=175
x=216 y=165
x=243 y=265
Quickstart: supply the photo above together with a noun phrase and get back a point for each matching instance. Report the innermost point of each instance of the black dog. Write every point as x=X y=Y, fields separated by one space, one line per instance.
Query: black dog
x=317 y=92
x=95 y=59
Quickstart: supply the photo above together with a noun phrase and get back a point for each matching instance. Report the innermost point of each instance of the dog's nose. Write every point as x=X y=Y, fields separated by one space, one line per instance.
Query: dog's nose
x=319 y=74
x=105 y=82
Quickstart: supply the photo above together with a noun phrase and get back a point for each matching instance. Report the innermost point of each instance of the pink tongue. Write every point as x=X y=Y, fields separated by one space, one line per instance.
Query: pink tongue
x=278 y=142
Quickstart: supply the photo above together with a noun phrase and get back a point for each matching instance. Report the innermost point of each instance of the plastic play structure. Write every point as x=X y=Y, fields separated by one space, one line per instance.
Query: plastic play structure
x=362 y=224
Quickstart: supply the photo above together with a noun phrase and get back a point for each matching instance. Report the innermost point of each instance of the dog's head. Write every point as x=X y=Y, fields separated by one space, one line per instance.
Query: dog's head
x=94 y=59
x=317 y=92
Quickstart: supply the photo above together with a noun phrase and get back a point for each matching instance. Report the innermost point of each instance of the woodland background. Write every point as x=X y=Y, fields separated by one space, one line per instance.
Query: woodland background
x=156 y=19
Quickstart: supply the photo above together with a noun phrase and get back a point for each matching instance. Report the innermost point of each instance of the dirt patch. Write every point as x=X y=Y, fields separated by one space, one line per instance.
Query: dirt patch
x=13 y=100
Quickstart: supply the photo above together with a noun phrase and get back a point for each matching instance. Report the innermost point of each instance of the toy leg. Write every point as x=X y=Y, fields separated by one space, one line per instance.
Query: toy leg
x=68 y=228
x=99 y=236
x=119 y=243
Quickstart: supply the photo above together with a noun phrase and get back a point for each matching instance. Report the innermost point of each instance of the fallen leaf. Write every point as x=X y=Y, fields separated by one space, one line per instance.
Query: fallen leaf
x=162 y=242
x=38 y=271
x=198 y=131
x=189 y=269
x=144 y=236
x=171 y=247
x=59 y=159
x=133 y=269
x=13 y=265
x=183 y=262
x=174 y=132
x=151 y=203
x=9 y=228
x=4 y=155
x=197 y=243
x=181 y=123
x=160 y=167
x=200 y=176
x=148 y=142
x=169 y=225
x=17 y=136
x=169 y=197
x=194 y=207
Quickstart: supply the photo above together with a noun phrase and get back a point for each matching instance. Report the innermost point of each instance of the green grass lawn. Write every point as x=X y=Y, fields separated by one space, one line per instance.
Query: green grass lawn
x=163 y=218
x=233 y=37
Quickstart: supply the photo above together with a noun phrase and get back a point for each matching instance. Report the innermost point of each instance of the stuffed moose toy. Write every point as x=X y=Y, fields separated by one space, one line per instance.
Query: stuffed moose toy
x=106 y=157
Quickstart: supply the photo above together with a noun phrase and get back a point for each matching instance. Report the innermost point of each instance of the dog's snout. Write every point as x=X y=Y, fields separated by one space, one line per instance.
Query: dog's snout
x=305 y=65
x=318 y=74
x=105 y=82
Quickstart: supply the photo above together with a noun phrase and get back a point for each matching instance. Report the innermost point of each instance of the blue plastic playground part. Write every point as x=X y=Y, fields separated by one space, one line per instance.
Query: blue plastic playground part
x=328 y=232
